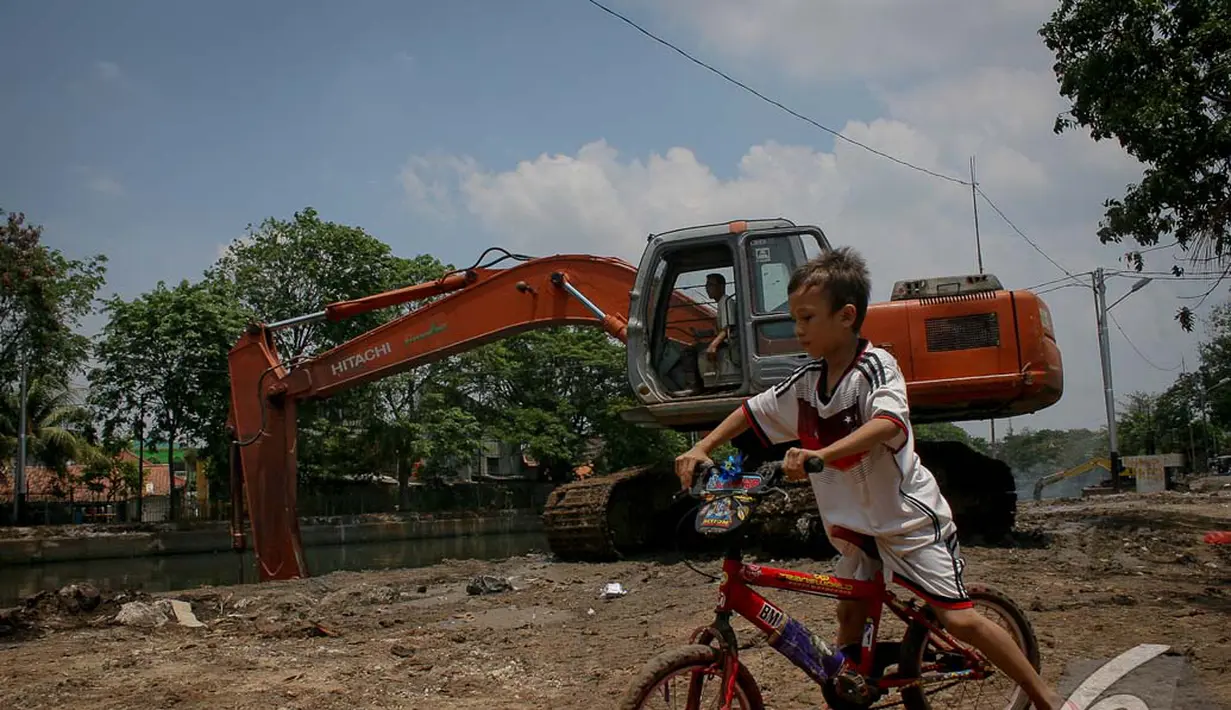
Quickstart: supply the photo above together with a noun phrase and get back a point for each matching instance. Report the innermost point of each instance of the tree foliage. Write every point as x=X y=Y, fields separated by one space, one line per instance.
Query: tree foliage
x=288 y=268
x=1193 y=415
x=944 y=431
x=107 y=471
x=163 y=359
x=43 y=296
x=58 y=428
x=1156 y=76
x=559 y=392
x=1170 y=422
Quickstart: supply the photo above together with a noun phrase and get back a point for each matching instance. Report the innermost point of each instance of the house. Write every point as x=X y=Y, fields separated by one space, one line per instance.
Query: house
x=68 y=498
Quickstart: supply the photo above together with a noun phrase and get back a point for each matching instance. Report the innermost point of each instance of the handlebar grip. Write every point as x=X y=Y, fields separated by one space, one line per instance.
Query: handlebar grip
x=814 y=464
x=698 y=479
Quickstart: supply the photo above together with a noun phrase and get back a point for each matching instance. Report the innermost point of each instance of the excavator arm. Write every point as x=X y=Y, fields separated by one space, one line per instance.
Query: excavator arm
x=479 y=306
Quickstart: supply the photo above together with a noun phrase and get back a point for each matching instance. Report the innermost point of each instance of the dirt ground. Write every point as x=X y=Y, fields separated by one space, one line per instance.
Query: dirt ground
x=1109 y=574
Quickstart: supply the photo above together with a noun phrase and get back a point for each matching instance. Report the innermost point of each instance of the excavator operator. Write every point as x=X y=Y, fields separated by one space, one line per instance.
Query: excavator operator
x=720 y=365
x=716 y=288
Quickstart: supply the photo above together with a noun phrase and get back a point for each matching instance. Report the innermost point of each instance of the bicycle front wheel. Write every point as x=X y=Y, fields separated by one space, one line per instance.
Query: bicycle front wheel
x=997 y=692
x=683 y=677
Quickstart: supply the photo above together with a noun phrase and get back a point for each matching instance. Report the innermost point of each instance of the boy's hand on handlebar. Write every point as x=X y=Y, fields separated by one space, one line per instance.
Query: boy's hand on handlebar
x=793 y=463
x=686 y=465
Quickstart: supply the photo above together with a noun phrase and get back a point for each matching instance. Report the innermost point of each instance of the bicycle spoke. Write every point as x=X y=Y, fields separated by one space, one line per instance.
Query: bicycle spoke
x=995 y=692
x=685 y=689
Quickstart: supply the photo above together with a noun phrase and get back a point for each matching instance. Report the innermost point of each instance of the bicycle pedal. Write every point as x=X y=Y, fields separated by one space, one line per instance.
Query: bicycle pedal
x=852 y=687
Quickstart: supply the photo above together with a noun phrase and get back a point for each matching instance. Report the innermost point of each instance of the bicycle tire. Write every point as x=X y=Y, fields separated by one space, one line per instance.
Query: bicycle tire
x=681 y=658
x=914 y=641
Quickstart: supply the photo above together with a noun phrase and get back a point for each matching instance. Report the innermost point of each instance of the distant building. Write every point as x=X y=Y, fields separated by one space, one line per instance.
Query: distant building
x=100 y=500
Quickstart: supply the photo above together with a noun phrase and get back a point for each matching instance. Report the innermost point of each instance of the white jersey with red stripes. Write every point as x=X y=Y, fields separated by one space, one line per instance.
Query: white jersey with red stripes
x=886 y=492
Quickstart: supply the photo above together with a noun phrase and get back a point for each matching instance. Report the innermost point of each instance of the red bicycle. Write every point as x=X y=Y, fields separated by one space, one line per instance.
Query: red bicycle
x=926 y=660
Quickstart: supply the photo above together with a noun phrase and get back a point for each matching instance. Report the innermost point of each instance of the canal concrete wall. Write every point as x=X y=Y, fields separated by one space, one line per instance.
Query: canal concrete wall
x=97 y=542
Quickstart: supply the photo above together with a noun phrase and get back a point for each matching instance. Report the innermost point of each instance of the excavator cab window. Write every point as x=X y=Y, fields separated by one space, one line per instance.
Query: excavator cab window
x=771 y=261
x=695 y=327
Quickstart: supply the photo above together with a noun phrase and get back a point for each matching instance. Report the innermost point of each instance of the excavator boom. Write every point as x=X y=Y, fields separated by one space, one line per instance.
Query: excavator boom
x=482 y=305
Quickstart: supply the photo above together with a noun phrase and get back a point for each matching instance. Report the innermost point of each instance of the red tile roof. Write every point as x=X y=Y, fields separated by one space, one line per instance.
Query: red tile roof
x=43 y=482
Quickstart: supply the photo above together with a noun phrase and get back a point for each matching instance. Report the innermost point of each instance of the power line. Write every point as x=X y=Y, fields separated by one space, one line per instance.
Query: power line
x=1060 y=280
x=1186 y=275
x=1022 y=234
x=1141 y=355
x=1156 y=247
x=1161 y=277
x=767 y=99
x=1058 y=288
x=817 y=124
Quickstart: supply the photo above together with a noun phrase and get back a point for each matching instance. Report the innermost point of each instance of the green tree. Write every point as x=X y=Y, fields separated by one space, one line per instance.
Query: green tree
x=945 y=431
x=1137 y=424
x=1169 y=422
x=107 y=471
x=1156 y=76
x=1209 y=388
x=415 y=417
x=418 y=415
x=164 y=355
x=556 y=392
x=1035 y=452
x=43 y=296
x=57 y=427
x=288 y=268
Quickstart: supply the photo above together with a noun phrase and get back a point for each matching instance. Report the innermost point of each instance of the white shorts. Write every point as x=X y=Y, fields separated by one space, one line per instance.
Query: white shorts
x=933 y=572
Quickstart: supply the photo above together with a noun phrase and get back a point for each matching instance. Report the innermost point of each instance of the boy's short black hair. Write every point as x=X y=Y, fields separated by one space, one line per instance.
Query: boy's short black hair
x=842 y=275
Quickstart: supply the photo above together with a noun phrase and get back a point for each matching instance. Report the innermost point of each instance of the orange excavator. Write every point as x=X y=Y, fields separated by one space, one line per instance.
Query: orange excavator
x=705 y=323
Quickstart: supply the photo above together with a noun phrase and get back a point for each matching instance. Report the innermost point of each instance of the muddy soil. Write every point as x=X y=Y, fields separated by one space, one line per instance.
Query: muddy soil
x=1102 y=576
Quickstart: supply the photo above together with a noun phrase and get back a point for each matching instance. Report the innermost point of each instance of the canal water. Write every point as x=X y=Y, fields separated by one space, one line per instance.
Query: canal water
x=172 y=572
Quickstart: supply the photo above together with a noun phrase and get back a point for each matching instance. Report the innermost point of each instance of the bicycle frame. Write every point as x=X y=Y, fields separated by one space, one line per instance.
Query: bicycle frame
x=803 y=648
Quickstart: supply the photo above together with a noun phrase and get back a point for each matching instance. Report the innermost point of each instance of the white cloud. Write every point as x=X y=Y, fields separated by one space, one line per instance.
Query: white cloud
x=108 y=71
x=906 y=223
x=862 y=39
x=105 y=185
x=100 y=182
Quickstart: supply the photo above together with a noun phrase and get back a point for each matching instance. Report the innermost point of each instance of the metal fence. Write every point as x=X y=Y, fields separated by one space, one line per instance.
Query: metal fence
x=314 y=499
x=45 y=509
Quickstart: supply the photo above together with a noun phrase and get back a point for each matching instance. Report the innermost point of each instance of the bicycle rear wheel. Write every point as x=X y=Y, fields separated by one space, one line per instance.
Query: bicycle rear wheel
x=997 y=692
x=655 y=685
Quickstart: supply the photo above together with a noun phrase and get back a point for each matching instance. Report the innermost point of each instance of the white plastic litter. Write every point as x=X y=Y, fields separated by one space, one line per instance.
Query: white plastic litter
x=612 y=590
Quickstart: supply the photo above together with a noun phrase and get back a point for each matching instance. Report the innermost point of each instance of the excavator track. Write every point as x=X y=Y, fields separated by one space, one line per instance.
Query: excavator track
x=981 y=490
x=607 y=517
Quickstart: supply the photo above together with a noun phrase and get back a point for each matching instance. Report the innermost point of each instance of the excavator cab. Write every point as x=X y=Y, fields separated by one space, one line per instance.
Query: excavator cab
x=708 y=318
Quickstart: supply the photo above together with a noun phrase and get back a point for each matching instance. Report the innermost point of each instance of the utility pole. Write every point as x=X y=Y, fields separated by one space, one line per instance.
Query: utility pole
x=1100 y=311
x=140 y=427
x=19 y=475
x=1192 y=441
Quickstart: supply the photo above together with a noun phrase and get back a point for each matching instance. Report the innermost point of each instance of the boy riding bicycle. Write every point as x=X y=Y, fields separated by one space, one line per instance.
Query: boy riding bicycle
x=848 y=407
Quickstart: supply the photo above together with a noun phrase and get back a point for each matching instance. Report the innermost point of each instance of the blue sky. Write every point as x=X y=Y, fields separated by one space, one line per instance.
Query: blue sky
x=154 y=132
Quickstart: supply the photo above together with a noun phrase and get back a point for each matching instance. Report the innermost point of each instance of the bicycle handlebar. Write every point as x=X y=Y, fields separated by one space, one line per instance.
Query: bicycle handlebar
x=770 y=474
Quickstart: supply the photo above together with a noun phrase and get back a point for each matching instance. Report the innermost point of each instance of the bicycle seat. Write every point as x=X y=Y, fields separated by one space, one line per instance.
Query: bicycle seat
x=867 y=543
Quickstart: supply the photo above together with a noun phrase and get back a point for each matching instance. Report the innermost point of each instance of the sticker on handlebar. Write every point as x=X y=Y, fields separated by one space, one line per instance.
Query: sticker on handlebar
x=716 y=516
x=745 y=482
